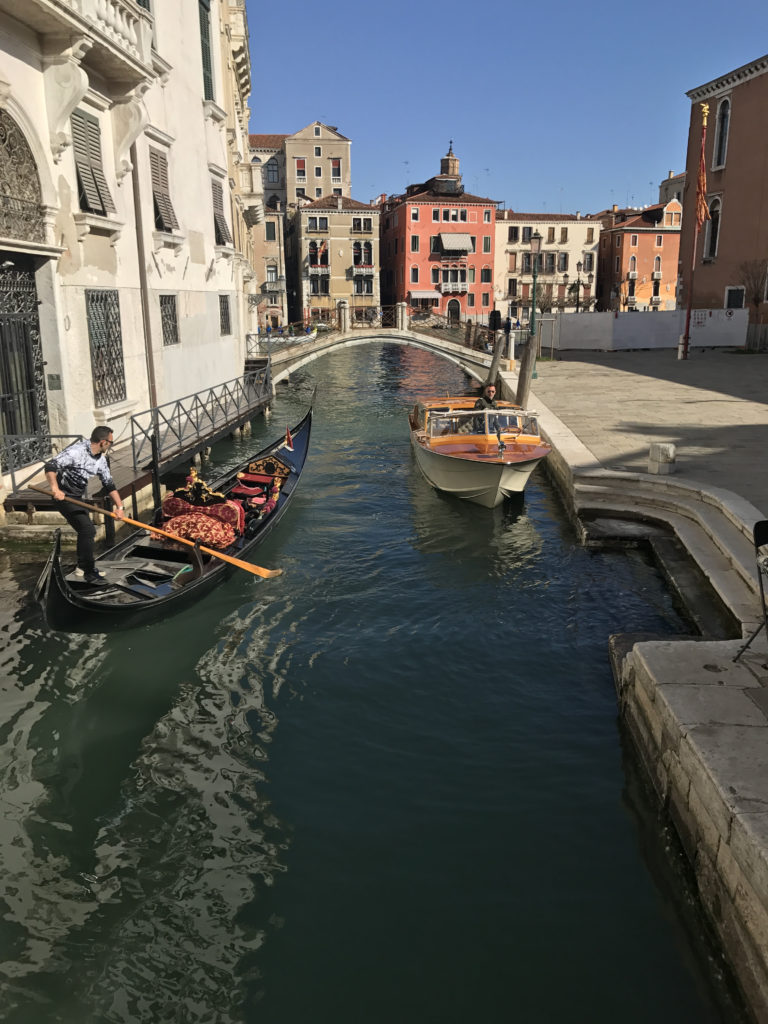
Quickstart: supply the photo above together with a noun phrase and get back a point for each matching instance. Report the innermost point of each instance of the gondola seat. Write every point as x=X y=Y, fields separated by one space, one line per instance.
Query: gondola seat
x=229 y=511
x=201 y=527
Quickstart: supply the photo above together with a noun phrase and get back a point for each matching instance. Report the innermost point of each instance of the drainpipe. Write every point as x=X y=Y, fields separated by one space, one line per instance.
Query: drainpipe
x=146 y=321
x=143 y=282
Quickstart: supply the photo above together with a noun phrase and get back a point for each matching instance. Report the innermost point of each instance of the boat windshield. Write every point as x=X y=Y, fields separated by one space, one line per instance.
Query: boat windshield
x=472 y=421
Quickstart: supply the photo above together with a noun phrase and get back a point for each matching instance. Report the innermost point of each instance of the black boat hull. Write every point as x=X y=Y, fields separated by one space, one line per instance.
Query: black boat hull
x=144 y=581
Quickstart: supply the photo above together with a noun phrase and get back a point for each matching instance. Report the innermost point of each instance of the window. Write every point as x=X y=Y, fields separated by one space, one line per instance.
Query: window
x=414 y=243
x=446 y=214
x=486 y=243
x=414 y=275
x=471 y=300
x=225 y=324
x=220 y=228
x=526 y=262
x=165 y=218
x=301 y=168
x=94 y=195
x=435 y=214
x=434 y=243
x=301 y=193
x=337 y=191
x=512 y=261
x=589 y=262
x=105 y=337
x=361 y=224
x=317 y=223
x=318 y=150
x=454 y=215
x=618 y=241
x=270 y=232
x=486 y=216
x=204 y=8
x=318 y=172
x=563 y=236
x=713 y=230
x=657 y=264
x=656 y=289
x=485 y=275
x=435 y=275
x=271 y=273
x=590 y=234
x=659 y=241
x=414 y=213
x=272 y=172
x=169 y=320
x=618 y=267
x=462 y=215
x=527 y=232
x=562 y=262
x=471 y=273
x=549 y=262
x=721 y=139
x=363 y=286
x=319 y=285
x=317 y=130
x=734 y=297
x=512 y=287
x=633 y=240
x=336 y=169
x=486 y=299
x=318 y=193
x=633 y=263
x=513 y=234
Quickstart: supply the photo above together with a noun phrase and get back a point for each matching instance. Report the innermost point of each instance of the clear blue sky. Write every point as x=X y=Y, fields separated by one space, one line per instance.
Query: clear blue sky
x=551 y=107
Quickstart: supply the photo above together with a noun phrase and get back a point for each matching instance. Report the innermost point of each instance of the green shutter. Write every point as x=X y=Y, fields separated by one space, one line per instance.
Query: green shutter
x=90 y=201
x=165 y=217
x=94 y=152
x=205 y=46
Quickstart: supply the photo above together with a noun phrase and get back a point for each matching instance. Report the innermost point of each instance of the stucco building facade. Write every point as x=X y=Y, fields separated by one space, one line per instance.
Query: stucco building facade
x=638 y=258
x=124 y=234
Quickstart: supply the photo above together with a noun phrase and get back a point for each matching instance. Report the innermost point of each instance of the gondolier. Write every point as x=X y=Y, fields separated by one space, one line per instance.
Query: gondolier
x=68 y=474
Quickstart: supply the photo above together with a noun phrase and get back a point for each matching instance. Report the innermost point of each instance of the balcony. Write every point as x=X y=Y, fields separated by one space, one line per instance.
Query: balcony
x=363 y=268
x=268 y=287
x=446 y=287
x=631 y=301
x=656 y=275
x=114 y=36
x=631 y=275
x=655 y=300
x=316 y=268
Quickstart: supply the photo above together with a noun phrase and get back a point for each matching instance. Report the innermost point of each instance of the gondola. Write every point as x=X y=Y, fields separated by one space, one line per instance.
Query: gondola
x=146 y=578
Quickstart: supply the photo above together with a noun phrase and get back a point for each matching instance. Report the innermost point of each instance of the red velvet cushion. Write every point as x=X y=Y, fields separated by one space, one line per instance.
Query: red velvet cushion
x=226 y=511
x=173 y=506
x=255 y=478
x=198 y=526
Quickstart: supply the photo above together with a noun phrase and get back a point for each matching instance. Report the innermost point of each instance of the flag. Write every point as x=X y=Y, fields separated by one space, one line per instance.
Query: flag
x=288 y=439
x=702 y=209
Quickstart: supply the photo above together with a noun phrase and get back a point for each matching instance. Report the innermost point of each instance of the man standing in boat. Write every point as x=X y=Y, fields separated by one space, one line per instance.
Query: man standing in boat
x=68 y=474
x=487 y=399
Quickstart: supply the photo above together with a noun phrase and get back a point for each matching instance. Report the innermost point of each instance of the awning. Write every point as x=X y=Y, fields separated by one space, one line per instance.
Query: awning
x=458 y=242
x=425 y=295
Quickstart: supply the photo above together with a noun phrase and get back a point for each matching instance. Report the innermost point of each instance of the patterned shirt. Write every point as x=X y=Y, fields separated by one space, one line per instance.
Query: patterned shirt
x=76 y=465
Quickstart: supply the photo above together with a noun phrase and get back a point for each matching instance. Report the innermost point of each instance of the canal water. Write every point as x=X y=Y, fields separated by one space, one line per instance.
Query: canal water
x=388 y=786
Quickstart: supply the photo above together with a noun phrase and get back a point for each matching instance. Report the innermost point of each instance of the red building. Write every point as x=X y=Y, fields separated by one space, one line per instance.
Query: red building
x=437 y=247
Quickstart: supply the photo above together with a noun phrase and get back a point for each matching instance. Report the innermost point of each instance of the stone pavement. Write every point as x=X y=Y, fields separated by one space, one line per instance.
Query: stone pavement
x=713 y=406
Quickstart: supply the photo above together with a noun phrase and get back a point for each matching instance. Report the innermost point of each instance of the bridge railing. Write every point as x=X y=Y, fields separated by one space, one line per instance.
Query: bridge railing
x=175 y=426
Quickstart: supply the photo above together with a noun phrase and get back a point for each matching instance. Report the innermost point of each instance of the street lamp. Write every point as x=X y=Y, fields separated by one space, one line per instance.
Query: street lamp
x=590 y=279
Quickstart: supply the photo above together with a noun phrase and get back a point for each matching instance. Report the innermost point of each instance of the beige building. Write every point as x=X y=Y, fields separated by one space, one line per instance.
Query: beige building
x=565 y=277
x=124 y=249
x=332 y=249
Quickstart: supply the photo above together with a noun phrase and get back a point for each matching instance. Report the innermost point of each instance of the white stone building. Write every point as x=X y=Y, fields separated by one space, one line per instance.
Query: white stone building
x=126 y=193
x=565 y=277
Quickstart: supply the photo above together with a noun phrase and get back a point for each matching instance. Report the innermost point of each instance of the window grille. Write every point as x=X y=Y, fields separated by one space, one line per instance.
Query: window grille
x=169 y=320
x=94 y=193
x=225 y=323
x=106 y=344
x=205 y=47
x=165 y=217
x=221 y=230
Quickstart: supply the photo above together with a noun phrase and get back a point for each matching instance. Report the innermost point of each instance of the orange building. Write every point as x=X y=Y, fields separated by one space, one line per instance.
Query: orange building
x=732 y=247
x=437 y=247
x=638 y=257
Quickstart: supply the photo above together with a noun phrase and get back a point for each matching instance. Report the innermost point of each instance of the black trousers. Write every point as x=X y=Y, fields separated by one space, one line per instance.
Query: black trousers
x=80 y=521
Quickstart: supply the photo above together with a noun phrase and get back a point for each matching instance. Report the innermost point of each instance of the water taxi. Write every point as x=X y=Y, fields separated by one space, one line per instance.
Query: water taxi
x=481 y=455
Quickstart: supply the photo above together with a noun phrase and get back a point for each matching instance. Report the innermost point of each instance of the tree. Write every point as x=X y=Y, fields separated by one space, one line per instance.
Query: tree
x=544 y=298
x=753 y=274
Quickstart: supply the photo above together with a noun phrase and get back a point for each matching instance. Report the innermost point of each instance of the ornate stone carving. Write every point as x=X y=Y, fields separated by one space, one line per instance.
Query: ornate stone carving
x=65 y=85
x=129 y=119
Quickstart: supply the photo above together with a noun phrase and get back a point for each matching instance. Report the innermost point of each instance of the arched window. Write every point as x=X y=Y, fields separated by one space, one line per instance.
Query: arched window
x=357 y=254
x=713 y=230
x=721 y=139
x=657 y=264
x=367 y=254
x=272 y=171
x=633 y=264
x=21 y=214
x=313 y=254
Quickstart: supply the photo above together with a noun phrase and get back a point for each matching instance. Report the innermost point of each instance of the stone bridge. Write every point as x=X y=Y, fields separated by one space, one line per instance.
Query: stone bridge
x=289 y=355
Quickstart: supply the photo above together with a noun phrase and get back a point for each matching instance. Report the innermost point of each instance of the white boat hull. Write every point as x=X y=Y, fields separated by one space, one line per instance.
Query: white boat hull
x=485 y=483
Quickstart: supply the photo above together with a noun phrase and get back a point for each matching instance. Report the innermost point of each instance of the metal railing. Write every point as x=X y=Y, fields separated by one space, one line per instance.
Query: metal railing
x=22 y=451
x=187 y=422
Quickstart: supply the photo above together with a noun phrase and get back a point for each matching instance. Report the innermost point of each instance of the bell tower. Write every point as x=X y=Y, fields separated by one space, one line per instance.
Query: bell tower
x=450 y=163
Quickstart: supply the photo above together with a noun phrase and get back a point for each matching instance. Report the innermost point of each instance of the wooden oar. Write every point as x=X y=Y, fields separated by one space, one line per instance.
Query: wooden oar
x=257 y=570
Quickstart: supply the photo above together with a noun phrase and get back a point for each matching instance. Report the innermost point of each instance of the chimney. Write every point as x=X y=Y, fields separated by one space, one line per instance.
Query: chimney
x=615 y=208
x=578 y=215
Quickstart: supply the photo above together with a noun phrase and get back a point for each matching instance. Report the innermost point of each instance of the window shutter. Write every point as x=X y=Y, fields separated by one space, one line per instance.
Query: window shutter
x=90 y=200
x=205 y=47
x=165 y=217
x=94 y=152
x=221 y=230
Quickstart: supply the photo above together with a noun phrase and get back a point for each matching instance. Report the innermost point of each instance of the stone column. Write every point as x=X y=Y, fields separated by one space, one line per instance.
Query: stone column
x=401 y=316
x=343 y=316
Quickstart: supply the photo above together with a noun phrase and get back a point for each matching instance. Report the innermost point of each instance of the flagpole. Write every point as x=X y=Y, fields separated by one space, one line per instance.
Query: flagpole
x=702 y=214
